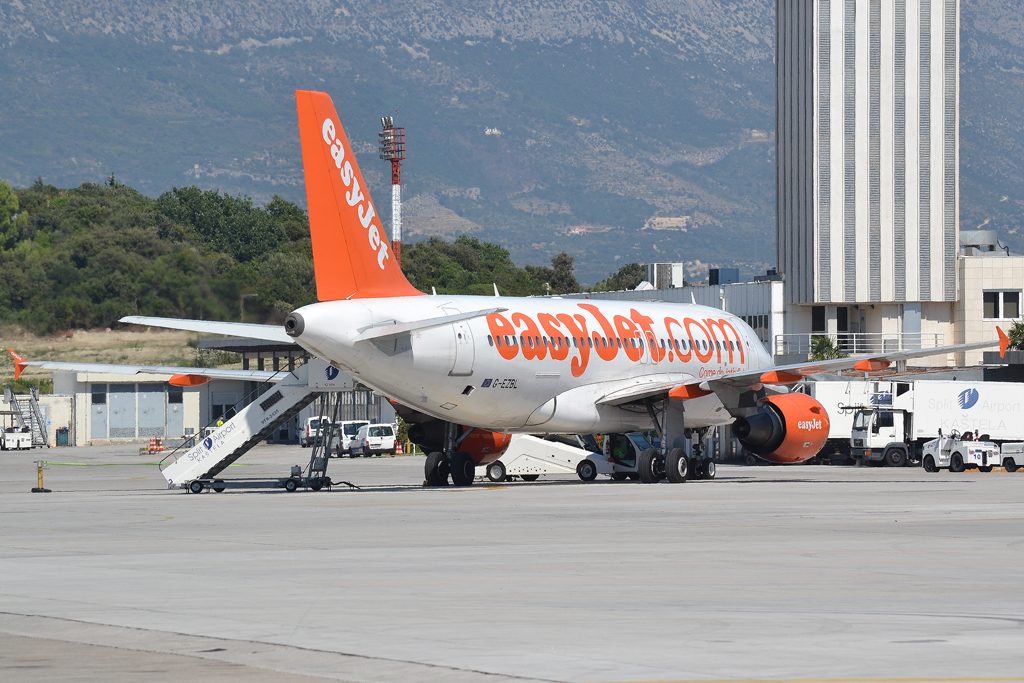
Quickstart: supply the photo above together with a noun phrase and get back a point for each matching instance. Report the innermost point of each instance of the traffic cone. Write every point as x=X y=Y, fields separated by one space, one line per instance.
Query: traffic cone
x=152 y=445
x=398 y=449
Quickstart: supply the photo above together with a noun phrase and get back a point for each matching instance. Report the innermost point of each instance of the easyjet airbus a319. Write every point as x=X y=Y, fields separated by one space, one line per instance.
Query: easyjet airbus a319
x=469 y=370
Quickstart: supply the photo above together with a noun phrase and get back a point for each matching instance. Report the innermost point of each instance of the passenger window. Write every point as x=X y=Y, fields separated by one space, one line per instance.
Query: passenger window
x=490 y=340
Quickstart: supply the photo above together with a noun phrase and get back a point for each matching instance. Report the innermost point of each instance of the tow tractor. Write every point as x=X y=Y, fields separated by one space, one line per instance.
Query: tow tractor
x=958 y=452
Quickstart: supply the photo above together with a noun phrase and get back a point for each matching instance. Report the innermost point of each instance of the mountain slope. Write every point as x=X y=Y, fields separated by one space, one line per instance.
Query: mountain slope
x=617 y=131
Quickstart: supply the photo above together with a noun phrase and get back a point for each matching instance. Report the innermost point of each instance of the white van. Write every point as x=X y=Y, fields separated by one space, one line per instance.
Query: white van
x=345 y=439
x=309 y=434
x=373 y=440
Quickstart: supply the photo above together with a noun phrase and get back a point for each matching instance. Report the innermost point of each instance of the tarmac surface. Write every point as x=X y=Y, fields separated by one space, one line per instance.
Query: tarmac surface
x=766 y=573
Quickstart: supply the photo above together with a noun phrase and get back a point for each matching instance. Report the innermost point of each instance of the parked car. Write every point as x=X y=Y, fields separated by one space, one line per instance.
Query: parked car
x=345 y=438
x=374 y=439
x=310 y=433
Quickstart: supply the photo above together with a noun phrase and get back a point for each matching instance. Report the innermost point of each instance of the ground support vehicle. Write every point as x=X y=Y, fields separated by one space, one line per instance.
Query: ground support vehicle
x=16 y=439
x=957 y=453
x=374 y=439
x=528 y=457
x=1012 y=455
x=347 y=431
x=897 y=419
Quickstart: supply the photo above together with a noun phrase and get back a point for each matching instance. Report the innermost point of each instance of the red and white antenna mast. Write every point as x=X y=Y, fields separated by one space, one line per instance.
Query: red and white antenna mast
x=392 y=148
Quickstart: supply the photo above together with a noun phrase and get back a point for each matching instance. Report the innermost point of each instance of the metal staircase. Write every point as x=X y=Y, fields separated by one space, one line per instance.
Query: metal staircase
x=252 y=424
x=29 y=414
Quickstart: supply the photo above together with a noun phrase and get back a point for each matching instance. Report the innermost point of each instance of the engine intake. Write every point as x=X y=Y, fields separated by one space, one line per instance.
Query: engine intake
x=788 y=428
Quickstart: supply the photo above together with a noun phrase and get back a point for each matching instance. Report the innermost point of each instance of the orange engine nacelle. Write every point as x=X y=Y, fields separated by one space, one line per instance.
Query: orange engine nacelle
x=787 y=429
x=484 y=446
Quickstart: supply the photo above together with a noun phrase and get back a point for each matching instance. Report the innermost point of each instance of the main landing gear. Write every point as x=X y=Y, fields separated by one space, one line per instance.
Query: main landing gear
x=450 y=462
x=672 y=463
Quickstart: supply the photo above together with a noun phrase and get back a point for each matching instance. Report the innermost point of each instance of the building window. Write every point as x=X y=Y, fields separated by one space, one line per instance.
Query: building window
x=817 y=319
x=174 y=394
x=1001 y=305
x=99 y=394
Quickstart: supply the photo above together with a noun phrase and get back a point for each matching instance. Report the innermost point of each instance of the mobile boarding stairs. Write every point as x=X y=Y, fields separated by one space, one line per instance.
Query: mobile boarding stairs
x=196 y=463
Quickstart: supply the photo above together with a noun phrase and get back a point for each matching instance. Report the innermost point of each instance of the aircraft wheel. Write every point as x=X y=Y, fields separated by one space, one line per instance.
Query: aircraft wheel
x=196 y=487
x=218 y=486
x=894 y=457
x=707 y=469
x=651 y=466
x=586 y=470
x=985 y=468
x=620 y=476
x=677 y=467
x=751 y=460
x=929 y=464
x=463 y=469
x=496 y=471
x=1010 y=464
x=291 y=485
x=436 y=469
x=956 y=463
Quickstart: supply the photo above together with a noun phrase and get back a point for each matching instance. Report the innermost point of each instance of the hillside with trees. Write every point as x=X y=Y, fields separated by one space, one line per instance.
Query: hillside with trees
x=87 y=256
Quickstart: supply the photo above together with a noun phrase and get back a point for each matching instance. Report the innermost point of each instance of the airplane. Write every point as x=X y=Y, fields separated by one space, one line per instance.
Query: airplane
x=469 y=371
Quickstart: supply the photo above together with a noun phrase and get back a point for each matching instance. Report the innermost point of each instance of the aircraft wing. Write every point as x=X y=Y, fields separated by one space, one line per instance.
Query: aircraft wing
x=208 y=373
x=729 y=383
x=794 y=372
x=248 y=330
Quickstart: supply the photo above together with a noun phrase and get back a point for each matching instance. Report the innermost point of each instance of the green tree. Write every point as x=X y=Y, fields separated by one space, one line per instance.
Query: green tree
x=825 y=348
x=627 y=277
x=1016 y=336
x=11 y=221
x=560 y=276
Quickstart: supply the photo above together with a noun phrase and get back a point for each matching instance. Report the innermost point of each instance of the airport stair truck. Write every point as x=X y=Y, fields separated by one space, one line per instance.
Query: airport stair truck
x=899 y=418
x=29 y=414
x=196 y=467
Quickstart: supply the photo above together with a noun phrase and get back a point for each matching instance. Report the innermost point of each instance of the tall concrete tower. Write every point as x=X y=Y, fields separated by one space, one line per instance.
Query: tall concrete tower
x=867 y=105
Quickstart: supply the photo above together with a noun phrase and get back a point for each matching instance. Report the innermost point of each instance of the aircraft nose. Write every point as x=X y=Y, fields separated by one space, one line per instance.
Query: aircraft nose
x=294 y=324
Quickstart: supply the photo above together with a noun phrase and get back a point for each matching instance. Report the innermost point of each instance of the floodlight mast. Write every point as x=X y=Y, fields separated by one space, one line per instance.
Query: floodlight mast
x=392 y=148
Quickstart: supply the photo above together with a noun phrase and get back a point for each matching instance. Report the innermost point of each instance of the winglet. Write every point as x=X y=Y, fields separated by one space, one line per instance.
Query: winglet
x=1004 y=342
x=19 y=363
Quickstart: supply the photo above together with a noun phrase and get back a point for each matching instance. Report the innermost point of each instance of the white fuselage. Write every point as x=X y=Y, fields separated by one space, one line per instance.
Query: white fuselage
x=473 y=372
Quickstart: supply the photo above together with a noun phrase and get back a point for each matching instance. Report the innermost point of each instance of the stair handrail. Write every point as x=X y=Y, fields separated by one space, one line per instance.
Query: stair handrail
x=190 y=442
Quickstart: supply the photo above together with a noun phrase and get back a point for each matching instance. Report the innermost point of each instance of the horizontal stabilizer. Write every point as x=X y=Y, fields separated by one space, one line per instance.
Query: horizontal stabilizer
x=395 y=329
x=274 y=333
x=114 y=369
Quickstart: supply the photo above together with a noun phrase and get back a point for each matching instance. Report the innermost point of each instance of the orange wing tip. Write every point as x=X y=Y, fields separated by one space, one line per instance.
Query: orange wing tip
x=19 y=363
x=871 y=365
x=688 y=391
x=188 y=380
x=1004 y=342
x=777 y=377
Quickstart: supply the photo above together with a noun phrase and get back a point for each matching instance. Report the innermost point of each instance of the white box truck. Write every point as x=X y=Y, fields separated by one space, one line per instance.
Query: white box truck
x=898 y=418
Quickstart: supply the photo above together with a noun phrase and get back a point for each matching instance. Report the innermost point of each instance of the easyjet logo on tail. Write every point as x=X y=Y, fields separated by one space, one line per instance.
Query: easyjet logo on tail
x=354 y=196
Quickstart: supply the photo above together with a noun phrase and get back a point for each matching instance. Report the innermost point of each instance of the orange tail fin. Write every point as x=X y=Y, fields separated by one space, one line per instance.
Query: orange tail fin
x=19 y=363
x=1004 y=342
x=351 y=252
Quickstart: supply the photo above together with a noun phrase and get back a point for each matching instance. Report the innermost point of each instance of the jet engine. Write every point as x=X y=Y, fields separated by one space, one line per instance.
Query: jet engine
x=787 y=428
x=484 y=446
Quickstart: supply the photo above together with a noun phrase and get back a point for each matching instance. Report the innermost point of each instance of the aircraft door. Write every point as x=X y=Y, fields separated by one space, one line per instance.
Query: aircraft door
x=465 y=353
